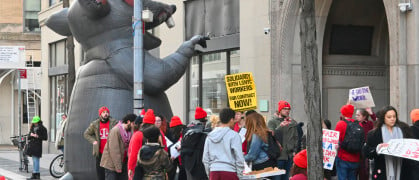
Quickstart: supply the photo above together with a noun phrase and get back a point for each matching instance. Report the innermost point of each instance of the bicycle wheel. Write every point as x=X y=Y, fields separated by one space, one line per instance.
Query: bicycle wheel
x=56 y=168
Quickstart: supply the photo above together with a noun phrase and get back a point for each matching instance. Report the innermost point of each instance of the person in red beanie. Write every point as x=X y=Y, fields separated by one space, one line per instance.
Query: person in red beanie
x=347 y=163
x=175 y=135
x=299 y=169
x=286 y=131
x=192 y=148
x=97 y=134
x=200 y=117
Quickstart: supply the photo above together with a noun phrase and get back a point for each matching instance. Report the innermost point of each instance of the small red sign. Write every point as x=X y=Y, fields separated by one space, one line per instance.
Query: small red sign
x=23 y=74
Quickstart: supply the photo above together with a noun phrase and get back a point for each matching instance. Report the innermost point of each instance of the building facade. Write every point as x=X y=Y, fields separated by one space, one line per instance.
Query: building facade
x=20 y=48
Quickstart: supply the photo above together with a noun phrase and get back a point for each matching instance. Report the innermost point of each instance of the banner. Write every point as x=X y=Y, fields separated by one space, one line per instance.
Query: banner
x=330 y=144
x=241 y=91
x=404 y=148
x=12 y=57
x=361 y=97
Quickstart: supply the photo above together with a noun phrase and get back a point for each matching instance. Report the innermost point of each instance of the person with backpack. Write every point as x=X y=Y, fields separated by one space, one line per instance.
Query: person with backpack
x=285 y=128
x=223 y=157
x=257 y=135
x=152 y=156
x=351 y=141
x=192 y=146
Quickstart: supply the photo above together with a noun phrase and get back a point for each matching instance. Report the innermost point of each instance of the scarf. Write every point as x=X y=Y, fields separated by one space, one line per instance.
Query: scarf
x=393 y=164
x=126 y=135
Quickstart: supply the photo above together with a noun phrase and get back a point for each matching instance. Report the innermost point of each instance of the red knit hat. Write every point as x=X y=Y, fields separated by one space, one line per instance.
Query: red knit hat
x=103 y=108
x=283 y=104
x=300 y=159
x=347 y=110
x=142 y=113
x=414 y=115
x=175 y=121
x=200 y=113
x=149 y=117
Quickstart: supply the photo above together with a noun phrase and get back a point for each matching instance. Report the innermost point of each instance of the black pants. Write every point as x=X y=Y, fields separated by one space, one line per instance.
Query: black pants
x=113 y=175
x=100 y=171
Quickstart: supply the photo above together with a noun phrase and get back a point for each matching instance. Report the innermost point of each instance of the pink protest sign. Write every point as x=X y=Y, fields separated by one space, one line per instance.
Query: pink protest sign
x=330 y=144
x=404 y=148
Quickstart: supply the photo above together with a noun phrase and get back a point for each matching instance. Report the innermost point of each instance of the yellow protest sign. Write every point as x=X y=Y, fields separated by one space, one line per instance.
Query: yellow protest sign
x=241 y=91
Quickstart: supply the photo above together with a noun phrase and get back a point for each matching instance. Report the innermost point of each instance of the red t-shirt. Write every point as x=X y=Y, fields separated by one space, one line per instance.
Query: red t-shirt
x=104 y=132
x=342 y=154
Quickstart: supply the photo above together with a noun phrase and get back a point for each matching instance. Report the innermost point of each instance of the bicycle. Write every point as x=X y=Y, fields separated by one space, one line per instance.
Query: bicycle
x=20 y=143
x=56 y=168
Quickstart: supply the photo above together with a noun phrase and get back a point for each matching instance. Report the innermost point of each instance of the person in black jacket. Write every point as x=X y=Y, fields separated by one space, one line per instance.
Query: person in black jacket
x=37 y=134
x=388 y=127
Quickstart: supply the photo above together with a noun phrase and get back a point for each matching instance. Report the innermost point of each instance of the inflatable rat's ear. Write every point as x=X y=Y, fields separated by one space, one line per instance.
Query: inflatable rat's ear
x=58 y=22
x=95 y=9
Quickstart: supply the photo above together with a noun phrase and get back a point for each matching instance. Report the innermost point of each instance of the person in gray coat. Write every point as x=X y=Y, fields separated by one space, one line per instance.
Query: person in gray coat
x=223 y=157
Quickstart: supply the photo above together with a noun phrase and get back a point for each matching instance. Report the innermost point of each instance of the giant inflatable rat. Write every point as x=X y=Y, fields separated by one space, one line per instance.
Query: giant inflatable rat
x=104 y=29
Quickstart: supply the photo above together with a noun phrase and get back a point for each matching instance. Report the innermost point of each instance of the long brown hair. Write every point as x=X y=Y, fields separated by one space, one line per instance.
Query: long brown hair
x=297 y=170
x=255 y=124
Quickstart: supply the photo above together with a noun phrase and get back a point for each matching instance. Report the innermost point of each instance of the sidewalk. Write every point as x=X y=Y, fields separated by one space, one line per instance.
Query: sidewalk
x=9 y=164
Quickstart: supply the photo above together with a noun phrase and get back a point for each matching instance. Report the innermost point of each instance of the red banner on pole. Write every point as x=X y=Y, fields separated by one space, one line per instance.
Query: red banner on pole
x=23 y=74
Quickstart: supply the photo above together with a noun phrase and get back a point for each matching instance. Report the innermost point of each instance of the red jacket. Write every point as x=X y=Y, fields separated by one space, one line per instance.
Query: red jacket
x=134 y=147
x=342 y=154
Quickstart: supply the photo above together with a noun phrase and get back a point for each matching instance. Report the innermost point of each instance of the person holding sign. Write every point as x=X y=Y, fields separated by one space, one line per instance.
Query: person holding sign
x=362 y=115
x=388 y=127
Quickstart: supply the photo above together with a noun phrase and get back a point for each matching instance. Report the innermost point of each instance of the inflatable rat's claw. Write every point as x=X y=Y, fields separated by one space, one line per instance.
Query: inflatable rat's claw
x=203 y=41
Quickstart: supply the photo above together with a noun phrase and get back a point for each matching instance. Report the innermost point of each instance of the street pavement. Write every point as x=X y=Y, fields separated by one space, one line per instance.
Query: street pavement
x=9 y=164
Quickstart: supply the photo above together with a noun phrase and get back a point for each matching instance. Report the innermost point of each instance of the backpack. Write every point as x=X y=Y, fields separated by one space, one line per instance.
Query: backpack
x=192 y=149
x=354 y=137
x=274 y=147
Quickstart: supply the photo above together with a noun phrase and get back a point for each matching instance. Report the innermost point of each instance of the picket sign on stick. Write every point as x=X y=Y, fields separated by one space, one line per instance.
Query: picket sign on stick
x=330 y=144
x=241 y=91
x=361 y=97
x=404 y=148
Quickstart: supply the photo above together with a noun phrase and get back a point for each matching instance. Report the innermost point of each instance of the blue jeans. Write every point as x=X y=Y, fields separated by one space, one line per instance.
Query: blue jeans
x=35 y=164
x=346 y=170
x=284 y=164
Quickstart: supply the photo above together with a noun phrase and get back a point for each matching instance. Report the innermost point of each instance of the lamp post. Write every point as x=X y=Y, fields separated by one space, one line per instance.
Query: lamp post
x=138 y=103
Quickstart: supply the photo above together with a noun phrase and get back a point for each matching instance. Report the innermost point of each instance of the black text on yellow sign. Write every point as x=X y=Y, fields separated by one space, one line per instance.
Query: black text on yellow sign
x=241 y=91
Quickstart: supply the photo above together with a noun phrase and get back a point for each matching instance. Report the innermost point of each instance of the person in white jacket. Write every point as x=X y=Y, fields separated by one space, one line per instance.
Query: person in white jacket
x=223 y=156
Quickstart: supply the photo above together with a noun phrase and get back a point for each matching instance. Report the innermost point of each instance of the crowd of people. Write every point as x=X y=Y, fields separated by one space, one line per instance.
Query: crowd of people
x=148 y=146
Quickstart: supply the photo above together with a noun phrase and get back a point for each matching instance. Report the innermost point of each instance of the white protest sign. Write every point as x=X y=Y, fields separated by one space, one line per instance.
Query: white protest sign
x=330 y=143
x=404 y=148
x=361 y=97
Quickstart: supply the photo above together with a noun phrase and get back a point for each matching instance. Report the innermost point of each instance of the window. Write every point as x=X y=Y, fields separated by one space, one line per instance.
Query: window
x=351 y=40
x=31 y=10
x=59 y=95
x=206 y=80
x=58 y=54
x=59 y=101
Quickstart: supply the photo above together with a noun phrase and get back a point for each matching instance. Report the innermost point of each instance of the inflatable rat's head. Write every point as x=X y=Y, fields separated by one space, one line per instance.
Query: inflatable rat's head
x=92 y=22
